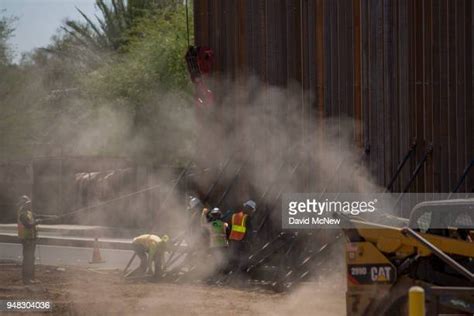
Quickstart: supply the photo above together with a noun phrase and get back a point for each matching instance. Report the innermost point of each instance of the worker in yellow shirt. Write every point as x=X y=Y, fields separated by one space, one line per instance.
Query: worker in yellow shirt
x=151 y=250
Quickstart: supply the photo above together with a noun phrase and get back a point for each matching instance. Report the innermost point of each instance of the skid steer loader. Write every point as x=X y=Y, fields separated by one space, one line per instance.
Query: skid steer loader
x=435 y=251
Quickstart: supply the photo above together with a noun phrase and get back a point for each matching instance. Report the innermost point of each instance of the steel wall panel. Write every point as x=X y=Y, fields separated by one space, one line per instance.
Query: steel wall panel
x=444 y=101
x=404 y=68
x=329 y=38
x=436 y=91
x=357 y=62
x=365 y=22
x=460 y=116
x=452 y=128
x=469 y=86
x=427 y=91
x=389 y=64
x=403 y=91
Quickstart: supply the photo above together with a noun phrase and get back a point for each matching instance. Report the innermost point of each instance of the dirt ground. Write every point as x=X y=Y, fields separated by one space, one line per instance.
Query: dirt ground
x=76 y=291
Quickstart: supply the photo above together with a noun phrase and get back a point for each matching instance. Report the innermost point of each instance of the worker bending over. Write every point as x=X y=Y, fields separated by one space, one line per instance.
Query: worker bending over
x=151 y=250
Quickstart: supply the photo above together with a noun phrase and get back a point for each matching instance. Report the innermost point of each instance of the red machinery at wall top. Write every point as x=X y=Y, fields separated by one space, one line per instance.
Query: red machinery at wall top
x=199 y=60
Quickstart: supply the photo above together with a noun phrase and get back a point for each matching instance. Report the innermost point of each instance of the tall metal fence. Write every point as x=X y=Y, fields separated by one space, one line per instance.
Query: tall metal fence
x=403 y=69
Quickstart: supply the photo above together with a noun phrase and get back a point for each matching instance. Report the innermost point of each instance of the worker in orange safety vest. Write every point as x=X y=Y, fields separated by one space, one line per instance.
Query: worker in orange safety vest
x=240 y=235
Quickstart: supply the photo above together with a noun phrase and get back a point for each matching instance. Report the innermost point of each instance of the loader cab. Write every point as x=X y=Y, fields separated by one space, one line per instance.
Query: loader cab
x=446 y=218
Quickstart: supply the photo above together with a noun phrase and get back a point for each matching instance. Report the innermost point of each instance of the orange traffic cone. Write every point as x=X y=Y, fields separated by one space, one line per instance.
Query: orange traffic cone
x=96 y=257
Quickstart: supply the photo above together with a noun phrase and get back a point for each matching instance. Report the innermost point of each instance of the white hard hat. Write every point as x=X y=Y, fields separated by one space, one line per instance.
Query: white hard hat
x=216 y=212
x=194 y=202
x=24 y=200
x=250 y=204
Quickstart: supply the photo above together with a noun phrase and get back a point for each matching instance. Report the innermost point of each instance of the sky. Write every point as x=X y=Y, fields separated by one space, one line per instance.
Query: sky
x=38 y=20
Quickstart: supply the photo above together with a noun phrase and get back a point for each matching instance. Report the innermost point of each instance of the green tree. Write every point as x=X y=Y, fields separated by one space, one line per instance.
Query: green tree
x=149 y=77
x=6 y=31
x=110 y=28
x=152 y=61
x=133 y=102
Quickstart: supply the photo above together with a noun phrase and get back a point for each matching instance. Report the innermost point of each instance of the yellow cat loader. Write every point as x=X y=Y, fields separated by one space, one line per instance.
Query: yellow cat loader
x=435 y=251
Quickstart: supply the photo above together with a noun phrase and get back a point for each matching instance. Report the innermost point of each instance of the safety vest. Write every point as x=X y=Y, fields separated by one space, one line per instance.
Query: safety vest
x=238 y=229
x=23 y=232
x=217 y=234
x=149 y=242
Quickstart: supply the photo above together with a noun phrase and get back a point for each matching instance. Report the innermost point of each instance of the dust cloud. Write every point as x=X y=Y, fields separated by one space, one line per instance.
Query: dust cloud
x=273 y=145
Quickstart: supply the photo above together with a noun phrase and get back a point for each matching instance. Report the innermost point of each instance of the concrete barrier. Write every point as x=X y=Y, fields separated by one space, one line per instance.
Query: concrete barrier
x=70 y=242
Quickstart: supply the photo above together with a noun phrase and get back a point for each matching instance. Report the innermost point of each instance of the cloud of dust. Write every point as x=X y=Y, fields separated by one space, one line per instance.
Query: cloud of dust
x=271 y=139
x=262 y=130
x=267 y=136
x=325 y=293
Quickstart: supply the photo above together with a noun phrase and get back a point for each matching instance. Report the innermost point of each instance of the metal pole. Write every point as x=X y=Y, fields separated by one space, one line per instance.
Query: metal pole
x=416 y=301
x=172 y=189
x=107 y=202
x=462 y=178
x=418 y=168
x=266 y=212
x=400 y=166
x=229 y=188
x=214 y=184
x=440 y=254
x=413 y=176
x=129 y=263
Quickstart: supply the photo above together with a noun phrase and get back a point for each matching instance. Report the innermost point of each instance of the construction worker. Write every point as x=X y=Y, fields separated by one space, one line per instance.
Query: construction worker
x=151 y=250
x=218 y=230
x=27 y=233
x=240 y=235
x=194 y=205
x=218 y=243
x=195 y=208
x=198 y=233
x=204 y=221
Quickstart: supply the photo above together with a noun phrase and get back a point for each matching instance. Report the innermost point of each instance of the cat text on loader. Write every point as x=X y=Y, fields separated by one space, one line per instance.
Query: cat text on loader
x=435 y=251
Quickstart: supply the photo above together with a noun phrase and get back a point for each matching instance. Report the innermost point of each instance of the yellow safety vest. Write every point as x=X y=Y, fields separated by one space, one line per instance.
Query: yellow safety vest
x=25 y=233
x=218 y=236
x=238 y=229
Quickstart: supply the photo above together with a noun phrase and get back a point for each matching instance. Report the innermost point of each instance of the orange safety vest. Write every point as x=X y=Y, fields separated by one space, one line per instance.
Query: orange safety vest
x=238 y=229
